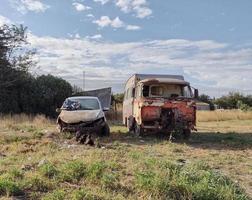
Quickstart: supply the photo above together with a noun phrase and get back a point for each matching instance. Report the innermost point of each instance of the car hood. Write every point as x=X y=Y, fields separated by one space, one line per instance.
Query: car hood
x=77 y=116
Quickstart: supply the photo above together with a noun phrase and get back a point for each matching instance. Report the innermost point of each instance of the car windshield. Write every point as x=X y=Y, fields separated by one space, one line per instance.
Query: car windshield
x=167 y=91
x=81 y=104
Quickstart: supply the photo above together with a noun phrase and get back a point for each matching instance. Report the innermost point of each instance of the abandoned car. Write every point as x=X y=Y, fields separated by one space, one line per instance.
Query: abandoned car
x=83 y=113
x=159 y=103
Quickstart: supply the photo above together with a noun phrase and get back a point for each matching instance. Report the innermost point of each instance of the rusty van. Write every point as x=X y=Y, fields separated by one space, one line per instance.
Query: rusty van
x=163 y=103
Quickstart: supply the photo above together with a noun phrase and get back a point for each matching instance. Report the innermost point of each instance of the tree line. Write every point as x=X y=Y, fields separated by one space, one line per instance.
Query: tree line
x=234 y=100
x=20 y=91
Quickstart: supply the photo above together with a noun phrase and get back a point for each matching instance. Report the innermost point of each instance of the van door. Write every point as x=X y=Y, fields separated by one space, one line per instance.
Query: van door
x=128 y=104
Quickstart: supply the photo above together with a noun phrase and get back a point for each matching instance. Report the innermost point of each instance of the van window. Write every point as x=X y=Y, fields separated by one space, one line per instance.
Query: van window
x=125 y=95
x=133 y=93
x=128 y=93
x=157 y=90
x=146 y=90
x=138 y=91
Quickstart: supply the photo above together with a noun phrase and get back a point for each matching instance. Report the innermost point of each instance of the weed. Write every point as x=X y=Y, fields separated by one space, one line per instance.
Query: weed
x=72 y=171
x=37 y=183
x=55 y=195
x=38 y=134
x=135 y=155
x=109 y=180
x=16 y=174
x=49 y=170
x=9 y=188
x=96 y=170
x=145 y=179
x=67 y=135
x=14 y=138
x=83 y=194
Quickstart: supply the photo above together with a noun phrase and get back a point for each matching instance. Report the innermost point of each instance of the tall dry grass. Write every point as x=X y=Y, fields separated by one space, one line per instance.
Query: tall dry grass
x=24 y=119
x=223 y=115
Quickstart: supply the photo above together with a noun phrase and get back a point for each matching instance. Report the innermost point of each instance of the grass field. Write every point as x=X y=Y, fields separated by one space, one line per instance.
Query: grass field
x=38 y=163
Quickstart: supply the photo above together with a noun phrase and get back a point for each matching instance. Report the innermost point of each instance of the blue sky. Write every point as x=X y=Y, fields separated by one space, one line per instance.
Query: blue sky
x=209 y=42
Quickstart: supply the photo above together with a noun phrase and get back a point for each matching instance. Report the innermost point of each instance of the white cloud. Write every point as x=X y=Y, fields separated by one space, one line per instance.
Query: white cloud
x=95 y=37
x=102 y=1
x=215 y=67
x=90 y=15
x=4 y=20
x=24 y=6
x=81 y=7
x=117 y=23
x=105 y=21
x=142 y=12
x=132 y=27
x=77 y=35
x=139 y=7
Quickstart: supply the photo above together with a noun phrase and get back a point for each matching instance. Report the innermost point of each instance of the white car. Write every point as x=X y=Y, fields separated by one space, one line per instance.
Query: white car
x=83 y=113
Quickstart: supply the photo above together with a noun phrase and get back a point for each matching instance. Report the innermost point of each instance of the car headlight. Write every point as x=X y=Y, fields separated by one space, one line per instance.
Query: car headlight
x=100 y=115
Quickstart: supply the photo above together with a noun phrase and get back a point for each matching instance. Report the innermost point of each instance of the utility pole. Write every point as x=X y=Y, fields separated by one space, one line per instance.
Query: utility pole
x=83 y=81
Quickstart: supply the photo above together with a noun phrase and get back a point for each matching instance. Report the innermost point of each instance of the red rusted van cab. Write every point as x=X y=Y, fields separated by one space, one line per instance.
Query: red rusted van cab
x=159 y=103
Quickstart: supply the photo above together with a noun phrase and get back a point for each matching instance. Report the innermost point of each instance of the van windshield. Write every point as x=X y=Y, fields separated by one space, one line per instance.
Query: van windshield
x=167 y=91
x=81 y=104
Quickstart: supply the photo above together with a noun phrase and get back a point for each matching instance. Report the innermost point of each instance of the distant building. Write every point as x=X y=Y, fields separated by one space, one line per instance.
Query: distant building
x=202 y=106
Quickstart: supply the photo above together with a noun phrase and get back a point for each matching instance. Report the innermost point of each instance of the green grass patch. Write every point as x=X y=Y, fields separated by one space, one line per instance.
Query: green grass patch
x=9 y=188
x=55 y=195
x=72 y=171
x=195 y=181
x=96 y=170
x=49 y=170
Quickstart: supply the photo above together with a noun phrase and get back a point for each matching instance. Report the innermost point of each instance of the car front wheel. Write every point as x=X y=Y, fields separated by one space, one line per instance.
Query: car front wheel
x=105 y=131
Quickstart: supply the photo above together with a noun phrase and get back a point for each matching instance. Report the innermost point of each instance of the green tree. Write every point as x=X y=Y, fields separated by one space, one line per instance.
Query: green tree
x=15 y=61
x=20 y=91
x=234 y=100
x=207 y=99
x=51 y=92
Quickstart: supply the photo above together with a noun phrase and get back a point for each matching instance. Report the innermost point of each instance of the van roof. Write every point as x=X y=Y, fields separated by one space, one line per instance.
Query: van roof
x=165 y=80
x=148 y=76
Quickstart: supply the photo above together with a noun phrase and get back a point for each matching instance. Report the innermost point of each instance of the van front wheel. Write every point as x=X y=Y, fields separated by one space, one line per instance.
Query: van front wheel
x=138 y=130
x=186 y=134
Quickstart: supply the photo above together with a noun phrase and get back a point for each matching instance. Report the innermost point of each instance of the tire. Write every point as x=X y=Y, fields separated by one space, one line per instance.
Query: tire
x=105 y=131
x=138 y=131
x=186 y=134
x=131 y=123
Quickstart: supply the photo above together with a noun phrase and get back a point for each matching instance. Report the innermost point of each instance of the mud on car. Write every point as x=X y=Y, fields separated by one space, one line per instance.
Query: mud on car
x=159 y=103
x=83 y=113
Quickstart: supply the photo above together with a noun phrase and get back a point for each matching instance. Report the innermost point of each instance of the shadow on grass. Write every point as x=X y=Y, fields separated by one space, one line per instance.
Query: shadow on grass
x=218 y=140
x=207 y=140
